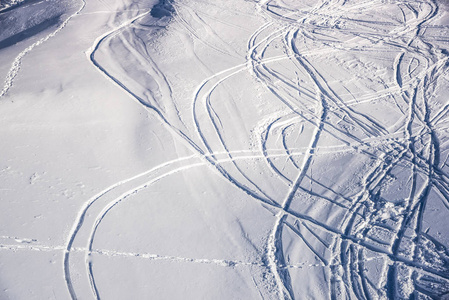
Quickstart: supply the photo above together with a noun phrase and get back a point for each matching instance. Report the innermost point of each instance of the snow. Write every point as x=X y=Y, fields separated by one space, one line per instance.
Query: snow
x=192 y=149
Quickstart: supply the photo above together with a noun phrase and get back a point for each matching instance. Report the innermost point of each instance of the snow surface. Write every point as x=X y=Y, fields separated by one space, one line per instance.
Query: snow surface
x=192 y=149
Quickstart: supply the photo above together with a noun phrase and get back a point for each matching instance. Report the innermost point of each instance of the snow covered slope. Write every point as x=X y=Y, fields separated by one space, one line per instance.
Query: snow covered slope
x=192 y=149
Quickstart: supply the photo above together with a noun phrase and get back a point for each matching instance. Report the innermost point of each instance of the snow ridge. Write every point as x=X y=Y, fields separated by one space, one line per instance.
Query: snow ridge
x=17 y=63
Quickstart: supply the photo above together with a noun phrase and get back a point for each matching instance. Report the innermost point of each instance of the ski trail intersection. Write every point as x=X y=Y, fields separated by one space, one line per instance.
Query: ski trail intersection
x=191 y=149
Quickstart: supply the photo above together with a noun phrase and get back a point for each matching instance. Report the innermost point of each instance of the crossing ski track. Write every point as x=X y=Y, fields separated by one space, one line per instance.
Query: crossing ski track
x=352 y=240
x=358 y=226
x=326 y=101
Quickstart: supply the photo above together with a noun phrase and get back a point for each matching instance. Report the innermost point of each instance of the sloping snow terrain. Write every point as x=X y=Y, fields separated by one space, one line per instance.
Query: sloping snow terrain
x=238 y=149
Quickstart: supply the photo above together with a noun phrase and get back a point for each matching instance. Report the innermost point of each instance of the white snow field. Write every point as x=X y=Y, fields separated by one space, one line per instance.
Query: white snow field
x=235 y=149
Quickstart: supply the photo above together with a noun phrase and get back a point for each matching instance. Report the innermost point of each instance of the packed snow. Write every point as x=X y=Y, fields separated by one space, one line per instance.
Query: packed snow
x=239 y=149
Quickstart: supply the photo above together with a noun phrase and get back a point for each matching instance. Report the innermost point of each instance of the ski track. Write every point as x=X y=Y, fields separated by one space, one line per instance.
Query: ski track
x=412 y=144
